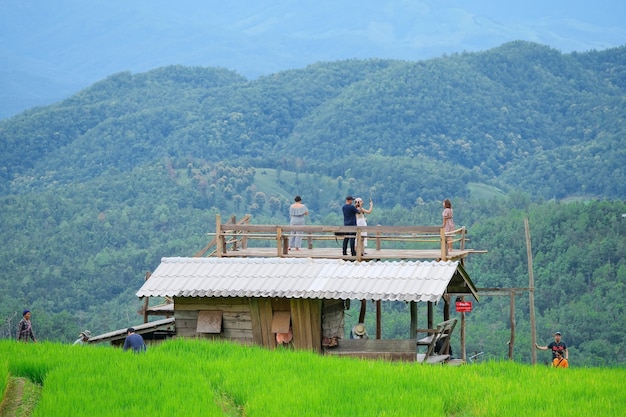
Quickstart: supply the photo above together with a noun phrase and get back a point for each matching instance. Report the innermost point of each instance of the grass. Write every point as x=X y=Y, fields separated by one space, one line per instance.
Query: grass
x=200 y=378
x=20 y=398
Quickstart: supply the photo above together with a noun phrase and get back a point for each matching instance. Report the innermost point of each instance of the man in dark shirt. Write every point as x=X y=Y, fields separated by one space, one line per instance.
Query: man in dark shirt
x=134 y=341
x=349 y=219
x=556 y=347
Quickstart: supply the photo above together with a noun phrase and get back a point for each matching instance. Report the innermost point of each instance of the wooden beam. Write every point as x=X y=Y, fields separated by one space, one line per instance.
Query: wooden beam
x=531 y=294
x=414 y=324
x=512 y=324
x=362 y=311
x=444 y=245
x=218 y=235
x=430 y=315
x=280 y=250
x=146 y=300
x=378 y=320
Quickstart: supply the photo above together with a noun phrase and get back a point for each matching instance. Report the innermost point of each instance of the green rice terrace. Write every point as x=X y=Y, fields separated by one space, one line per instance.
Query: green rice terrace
x=199 y=378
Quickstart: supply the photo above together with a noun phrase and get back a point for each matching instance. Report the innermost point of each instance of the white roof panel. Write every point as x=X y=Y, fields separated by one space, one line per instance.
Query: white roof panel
x=301 y=278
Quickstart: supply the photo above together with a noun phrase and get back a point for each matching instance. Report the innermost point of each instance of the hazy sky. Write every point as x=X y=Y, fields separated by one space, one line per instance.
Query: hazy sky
x=52 y=49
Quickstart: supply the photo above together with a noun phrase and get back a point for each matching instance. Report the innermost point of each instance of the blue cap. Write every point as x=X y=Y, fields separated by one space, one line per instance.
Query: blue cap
x=25 y=311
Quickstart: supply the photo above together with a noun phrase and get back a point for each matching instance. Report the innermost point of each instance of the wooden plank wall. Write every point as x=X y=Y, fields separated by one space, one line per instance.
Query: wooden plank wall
x=249 y=321
x=261 y=312
x=236 y=319
x=333 y=318
x=306 y=319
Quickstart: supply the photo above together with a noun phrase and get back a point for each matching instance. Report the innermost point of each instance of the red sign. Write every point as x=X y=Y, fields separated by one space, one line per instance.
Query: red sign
x=463 y=306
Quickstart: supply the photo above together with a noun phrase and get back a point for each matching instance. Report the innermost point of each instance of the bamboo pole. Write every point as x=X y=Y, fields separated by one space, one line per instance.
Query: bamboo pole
x=512 y=318
x=531 y=294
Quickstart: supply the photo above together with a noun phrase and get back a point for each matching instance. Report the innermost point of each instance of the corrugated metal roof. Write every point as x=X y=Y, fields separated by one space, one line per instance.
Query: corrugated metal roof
x=301 y=278
x=143 y=328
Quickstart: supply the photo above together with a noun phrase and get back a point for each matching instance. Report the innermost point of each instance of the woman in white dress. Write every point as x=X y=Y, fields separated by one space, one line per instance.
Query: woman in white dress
x=360 y=218
x=448 y=221
x=297 y=211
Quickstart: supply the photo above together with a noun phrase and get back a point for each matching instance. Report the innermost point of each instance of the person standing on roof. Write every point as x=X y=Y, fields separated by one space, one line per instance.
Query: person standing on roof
x=349 y=219
x=297 y=211
x=448 y=221
x=134 y=341
x=360 y=218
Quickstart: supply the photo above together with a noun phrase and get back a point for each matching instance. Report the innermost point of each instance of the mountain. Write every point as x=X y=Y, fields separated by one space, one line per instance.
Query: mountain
x=96 y=188
x=521 y=116
x=53 y=50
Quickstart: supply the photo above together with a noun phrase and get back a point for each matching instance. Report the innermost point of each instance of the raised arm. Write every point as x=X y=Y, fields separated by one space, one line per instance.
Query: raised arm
x=368 y=211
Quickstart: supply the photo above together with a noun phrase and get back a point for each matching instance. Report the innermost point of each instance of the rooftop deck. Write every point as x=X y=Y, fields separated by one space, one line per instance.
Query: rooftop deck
x=242 y=239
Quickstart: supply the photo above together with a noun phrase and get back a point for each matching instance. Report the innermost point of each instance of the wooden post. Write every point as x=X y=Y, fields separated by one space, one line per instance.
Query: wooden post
x=512 y=318
x=221 y=245
x=379 y=323
x=244 y=239
x=531 y=294
x=463 y=349
x=280 y=247
x=362 y=311
x=146 y=300
x=378 y=239
x=430 y=315
x=463 y=232
x=414 y=326
x=444 y=244
x=233 y=220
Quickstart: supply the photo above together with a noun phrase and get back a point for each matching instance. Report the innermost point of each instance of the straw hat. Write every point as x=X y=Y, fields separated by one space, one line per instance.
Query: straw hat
x=359 y=329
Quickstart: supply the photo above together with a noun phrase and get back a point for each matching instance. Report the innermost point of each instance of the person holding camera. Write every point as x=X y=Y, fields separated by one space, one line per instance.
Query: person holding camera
x=361 y=220
x=349 y=219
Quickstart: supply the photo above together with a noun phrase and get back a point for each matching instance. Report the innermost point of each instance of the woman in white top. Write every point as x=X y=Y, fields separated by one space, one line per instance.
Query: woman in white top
x=360 y=217
x=448 y=221
x=297 y=211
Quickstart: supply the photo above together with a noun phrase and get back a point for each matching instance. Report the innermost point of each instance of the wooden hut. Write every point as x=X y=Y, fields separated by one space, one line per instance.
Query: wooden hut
x=296 y=301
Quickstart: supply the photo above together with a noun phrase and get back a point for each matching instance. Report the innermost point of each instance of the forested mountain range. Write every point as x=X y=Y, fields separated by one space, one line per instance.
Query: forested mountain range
x=96 y=188
x=520 y=116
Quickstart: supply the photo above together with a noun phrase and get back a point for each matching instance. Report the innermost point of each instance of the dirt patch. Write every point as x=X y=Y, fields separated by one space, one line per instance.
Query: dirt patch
x=20 y=398
x=228 y=406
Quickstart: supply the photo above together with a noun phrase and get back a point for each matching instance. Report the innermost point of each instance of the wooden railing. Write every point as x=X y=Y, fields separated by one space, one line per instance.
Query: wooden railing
x=238 y=235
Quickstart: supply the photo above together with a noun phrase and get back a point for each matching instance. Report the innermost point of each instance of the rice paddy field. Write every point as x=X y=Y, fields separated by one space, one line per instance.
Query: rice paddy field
x=200 y=378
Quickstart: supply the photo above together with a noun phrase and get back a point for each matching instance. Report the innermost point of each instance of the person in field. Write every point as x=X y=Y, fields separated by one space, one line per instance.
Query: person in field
x=557 y=347
x=560 y=361
x=134 y=341
x=84 y=338
x=25 y=328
